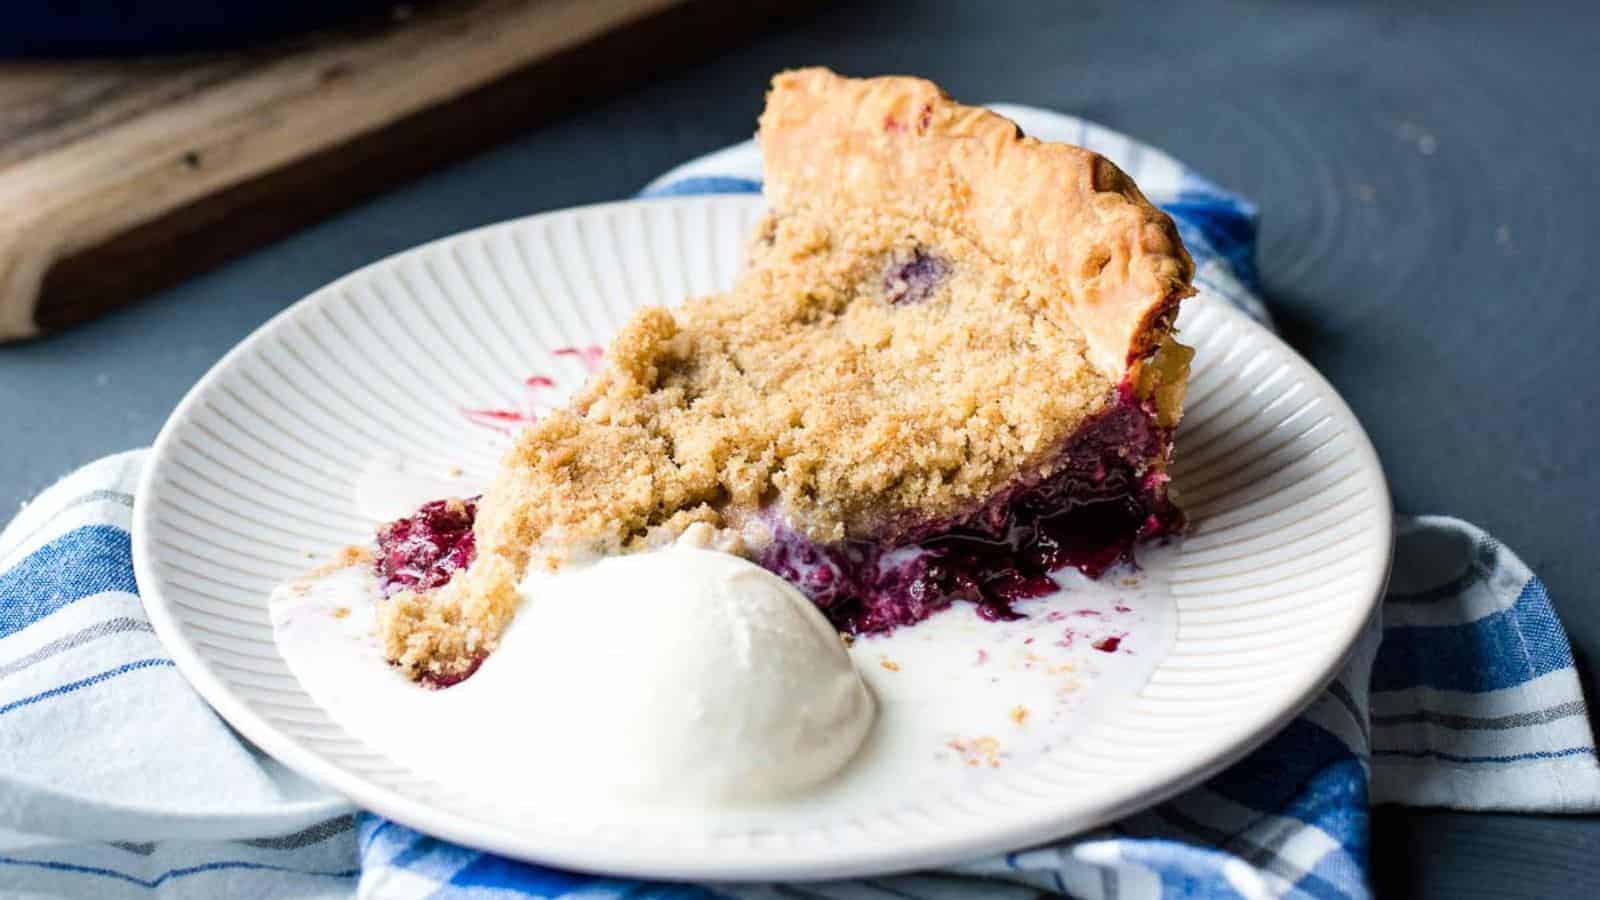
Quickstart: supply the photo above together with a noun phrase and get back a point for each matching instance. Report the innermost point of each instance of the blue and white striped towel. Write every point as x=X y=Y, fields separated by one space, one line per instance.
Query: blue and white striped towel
x=117 y=781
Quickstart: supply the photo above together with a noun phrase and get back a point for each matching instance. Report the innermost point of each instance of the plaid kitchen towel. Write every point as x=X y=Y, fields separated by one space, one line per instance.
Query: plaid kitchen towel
x=117 y=781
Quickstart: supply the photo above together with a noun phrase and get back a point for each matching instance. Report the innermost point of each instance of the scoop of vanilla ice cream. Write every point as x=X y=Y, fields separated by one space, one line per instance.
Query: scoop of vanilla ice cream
x=681 y=676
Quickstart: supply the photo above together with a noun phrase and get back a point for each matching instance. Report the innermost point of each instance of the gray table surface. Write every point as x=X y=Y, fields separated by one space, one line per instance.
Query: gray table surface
x=1427 y=181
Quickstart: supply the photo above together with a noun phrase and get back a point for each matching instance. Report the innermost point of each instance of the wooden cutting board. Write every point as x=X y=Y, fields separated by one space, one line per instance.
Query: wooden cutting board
x=120 y=176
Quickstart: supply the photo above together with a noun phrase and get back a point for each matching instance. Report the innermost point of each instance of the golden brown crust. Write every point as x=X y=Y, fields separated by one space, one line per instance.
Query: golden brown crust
x=1065 y=221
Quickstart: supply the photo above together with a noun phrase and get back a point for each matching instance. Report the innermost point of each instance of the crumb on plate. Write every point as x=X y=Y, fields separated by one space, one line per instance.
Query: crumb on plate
x=981 y=751
x=344 y=559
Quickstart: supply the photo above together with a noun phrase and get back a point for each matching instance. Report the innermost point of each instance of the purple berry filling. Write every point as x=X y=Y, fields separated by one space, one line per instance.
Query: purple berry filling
x=439 y=682
x=915 y=280
x=422 y=551
x=1087 y=514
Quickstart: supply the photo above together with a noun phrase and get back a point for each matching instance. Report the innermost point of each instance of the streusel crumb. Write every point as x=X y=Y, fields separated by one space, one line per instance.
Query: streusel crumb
x=806 y=393
x=344 y=559
x=442 y=635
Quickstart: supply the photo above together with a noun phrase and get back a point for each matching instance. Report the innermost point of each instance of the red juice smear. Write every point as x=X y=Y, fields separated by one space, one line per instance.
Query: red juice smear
x=589 y=357
x=1108 y=644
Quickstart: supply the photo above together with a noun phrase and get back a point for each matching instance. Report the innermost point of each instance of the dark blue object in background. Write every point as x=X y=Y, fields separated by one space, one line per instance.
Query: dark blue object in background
x=64 y=28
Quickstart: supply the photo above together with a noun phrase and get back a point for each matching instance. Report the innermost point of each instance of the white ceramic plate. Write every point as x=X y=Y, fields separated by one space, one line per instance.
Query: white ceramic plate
x=253 y=475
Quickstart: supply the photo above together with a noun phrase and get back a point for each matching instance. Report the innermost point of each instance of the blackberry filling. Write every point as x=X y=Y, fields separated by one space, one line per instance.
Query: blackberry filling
x=1087 y=514
x=422 y=551
x=436 y=681
x=915 y=279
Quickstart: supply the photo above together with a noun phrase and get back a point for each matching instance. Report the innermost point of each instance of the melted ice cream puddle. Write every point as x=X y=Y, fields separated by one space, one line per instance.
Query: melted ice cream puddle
x=392 y=487
x=959 y=698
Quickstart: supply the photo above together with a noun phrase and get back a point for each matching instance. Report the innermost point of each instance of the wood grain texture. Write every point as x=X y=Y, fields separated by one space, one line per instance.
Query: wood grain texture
x=119 y=176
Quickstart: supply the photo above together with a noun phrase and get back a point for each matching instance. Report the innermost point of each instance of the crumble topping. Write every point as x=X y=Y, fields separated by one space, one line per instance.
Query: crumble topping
x=441 y=637
x=980 y=751
x=809 y=389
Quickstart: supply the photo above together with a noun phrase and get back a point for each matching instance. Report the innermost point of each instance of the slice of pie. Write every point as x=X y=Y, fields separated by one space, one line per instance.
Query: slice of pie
x=947 y=370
